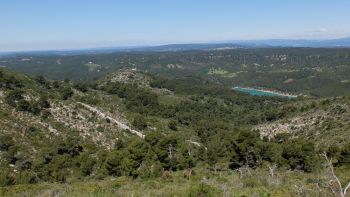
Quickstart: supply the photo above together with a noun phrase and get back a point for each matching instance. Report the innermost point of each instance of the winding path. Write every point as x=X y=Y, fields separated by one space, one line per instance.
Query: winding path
x=120 y=124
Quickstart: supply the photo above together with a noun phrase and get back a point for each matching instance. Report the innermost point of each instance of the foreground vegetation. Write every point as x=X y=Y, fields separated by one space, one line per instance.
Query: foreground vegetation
x=203 y=183
x=198 y=139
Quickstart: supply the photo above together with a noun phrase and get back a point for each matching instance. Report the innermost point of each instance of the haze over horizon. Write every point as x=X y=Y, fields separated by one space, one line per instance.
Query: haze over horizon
x=42 y=25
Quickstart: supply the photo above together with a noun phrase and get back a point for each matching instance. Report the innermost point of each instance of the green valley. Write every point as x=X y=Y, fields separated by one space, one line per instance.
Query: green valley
x=132 y=131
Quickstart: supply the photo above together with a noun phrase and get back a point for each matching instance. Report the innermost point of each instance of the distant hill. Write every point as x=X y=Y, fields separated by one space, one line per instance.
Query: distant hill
x=108 y=50
x=331 y=43
x=190 y=47
x=232 y=44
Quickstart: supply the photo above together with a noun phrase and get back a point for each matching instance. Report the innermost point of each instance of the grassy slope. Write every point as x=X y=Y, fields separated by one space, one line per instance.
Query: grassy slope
x=203 y=183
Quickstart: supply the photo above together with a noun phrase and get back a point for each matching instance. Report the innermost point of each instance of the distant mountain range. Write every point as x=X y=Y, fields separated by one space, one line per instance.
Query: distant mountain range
x=232 y=44
x=330 y=43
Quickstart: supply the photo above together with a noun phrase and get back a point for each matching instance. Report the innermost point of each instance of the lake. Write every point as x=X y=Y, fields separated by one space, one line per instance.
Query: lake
x=257 y=92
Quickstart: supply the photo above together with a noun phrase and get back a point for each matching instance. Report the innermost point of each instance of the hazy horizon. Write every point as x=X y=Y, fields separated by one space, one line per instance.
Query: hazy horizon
x=64 y=25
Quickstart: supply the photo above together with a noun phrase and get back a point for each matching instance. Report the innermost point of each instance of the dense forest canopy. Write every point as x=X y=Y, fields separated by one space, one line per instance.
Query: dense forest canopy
x=311 y=71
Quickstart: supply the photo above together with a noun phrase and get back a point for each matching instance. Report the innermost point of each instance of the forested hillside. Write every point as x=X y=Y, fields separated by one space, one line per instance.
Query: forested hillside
x=308 y=71
x=136 y=133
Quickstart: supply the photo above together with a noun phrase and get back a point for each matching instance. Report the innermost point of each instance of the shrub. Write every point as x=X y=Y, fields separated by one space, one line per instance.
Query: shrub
x=45 y=114
x=173 y=125
x=6 y=177
x=55 y=84
x=203 y=190
x=250 y=181
x=344 y=157
x=26 y=177
x=43 y=102
x=66 y=93
x=42 y=81
x=6 y=142
x=119 y=163
x=300 y=154
x=82 y=87
x=14 y=96
x=139 y=122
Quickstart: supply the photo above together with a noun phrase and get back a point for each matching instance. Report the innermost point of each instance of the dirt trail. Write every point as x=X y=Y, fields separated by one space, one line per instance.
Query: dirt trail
x=122 y=125
x=104 y=115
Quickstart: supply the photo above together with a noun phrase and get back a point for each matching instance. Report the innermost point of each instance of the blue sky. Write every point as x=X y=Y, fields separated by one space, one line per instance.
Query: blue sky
x=66 y=24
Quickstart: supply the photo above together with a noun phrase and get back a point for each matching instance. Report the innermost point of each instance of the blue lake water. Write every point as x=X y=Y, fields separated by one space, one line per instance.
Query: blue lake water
x=256 y=92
